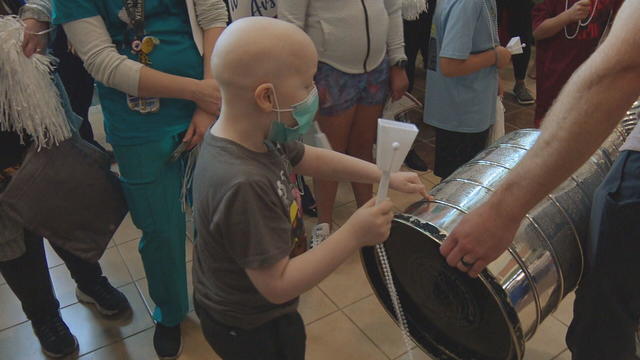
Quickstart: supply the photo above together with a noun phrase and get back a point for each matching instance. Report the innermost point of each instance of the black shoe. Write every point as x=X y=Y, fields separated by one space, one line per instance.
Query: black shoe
x=523 y=95
x=167 y=341
x=108 y=300
x=54 y=336
x=414 y=161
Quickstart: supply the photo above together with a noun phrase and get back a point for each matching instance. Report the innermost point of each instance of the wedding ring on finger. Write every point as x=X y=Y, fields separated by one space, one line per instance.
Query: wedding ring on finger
x=466 y=264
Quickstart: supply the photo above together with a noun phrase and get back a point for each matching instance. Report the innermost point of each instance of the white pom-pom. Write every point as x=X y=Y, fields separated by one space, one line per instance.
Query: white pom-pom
x=29 y=100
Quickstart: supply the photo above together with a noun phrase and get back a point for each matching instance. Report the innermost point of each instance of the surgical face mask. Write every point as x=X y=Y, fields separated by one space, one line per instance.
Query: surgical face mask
x=303 y=112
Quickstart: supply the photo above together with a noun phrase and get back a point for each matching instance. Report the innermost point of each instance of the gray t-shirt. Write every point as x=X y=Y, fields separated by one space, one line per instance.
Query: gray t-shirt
x=248 y=215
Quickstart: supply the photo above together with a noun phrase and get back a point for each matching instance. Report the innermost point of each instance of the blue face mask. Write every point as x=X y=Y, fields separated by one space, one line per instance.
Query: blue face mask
x=303 y=112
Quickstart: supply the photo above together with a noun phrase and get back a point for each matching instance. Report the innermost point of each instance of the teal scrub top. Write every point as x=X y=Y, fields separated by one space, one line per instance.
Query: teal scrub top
x=176 y=54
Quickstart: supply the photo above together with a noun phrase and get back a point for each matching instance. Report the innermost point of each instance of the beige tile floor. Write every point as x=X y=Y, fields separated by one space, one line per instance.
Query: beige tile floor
x=344 y=319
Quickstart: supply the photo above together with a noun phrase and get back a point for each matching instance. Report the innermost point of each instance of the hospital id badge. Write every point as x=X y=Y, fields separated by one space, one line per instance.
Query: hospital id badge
x=143 y=105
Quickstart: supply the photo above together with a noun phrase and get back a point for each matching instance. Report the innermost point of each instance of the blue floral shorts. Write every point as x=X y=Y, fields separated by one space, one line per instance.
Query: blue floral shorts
x=340 y=91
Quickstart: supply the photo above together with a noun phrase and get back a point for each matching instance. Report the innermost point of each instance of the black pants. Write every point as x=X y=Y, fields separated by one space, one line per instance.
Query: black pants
x=607 y=305
x=282 y=338
x=77 y=83
x=416 y=39
x=519 y=24
x=454 y=149
x=28 y=277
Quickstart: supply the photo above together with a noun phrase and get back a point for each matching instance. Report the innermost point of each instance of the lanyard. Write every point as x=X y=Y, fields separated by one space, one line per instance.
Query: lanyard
x=135 y=12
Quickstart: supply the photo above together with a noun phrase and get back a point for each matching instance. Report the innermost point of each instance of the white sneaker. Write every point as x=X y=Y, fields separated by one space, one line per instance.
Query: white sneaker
x=320 y=233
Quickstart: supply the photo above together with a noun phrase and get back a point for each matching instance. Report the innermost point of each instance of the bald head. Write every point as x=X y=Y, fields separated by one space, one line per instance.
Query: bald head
x=258 y=50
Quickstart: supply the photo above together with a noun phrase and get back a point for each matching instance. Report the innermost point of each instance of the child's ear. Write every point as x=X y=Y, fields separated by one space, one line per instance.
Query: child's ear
x=264 y=97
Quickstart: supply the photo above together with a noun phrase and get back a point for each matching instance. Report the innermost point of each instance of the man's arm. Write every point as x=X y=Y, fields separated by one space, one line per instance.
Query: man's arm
x=587 y=110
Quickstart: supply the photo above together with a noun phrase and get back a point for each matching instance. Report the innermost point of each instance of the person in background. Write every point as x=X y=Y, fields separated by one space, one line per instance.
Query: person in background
x=417 y=33
x=158 y=100
x=23 y=263
x=462 y=80
x=517 y=14
x=566 y=33
x=361 y=63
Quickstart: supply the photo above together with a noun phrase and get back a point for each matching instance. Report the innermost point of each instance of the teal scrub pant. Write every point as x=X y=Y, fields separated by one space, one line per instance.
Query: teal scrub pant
x=152 y=187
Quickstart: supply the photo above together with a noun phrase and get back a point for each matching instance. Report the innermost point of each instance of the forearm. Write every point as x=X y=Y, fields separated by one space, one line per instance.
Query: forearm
x=154 y=83
x=302 y=273
x=584 y=115
x=454 y=67
x=331 y=165
x=551 y=26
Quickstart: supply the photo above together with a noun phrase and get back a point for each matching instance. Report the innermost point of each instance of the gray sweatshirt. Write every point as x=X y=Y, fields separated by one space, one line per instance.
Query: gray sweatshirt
x=353 y=36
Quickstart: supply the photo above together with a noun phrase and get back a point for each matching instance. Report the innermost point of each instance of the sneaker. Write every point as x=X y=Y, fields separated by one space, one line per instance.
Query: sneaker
x=415 y=162
x=108 y=300
x=55 y=337
x=320 y=233
x=523 y=95
x=167 y=341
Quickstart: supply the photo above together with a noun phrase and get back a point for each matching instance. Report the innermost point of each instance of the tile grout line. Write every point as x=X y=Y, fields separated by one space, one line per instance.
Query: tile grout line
x=113 y=343
x=365 y=334
x=127 y=265
x=561 y=352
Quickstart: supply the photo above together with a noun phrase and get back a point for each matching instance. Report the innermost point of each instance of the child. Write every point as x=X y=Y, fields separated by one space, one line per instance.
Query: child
x=246 y=279
x=462 y=80
x=566 y=33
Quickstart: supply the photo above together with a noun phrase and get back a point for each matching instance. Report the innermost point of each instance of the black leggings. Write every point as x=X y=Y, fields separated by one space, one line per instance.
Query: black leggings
x=454 y=149
x=519 y=24
x=416 y=39
x=28 y=277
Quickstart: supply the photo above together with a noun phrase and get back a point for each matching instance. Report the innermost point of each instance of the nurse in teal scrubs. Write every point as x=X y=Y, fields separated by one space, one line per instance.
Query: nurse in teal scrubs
x=156 y=94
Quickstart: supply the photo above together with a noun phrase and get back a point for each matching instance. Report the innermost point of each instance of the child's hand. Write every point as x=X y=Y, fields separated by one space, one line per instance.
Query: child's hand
x=579 y=11
x=409 y=183
x=371 y=224
x=503 y=57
